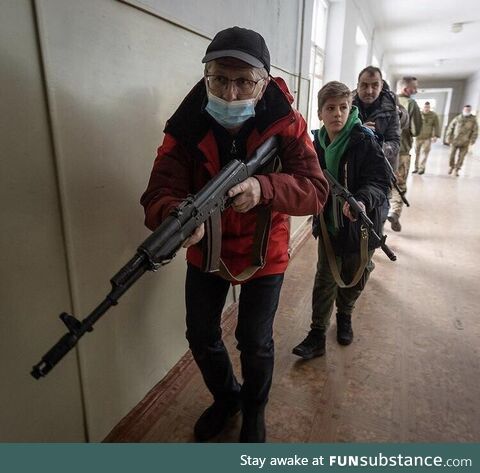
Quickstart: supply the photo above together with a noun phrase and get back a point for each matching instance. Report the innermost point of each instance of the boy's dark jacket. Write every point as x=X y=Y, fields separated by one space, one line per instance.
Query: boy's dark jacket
x=363 y=171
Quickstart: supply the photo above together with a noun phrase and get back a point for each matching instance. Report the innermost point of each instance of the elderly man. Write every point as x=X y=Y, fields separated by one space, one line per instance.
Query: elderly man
x=461 y=133
x=377 y=109
x=406 y=88
x=423 y=142
x=233 y=109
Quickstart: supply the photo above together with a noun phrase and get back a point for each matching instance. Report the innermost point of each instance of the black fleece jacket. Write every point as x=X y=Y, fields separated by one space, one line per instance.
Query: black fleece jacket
x=387 y=126
x=363 y=171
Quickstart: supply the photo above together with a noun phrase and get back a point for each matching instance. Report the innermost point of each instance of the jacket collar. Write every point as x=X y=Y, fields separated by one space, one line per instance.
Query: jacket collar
x=357 y=135
x=190 y=123
x=385 y=103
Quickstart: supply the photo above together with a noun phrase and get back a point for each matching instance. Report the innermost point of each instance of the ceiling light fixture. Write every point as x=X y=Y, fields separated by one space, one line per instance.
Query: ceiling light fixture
x=457 y=27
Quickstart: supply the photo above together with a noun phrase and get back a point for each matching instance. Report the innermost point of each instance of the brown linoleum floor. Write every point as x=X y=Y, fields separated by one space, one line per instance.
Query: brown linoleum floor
x=412 y=373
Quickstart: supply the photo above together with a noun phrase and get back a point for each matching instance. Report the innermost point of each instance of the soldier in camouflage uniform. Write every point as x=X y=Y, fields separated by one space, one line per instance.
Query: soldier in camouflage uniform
x=406 y=87
x=430 y=132
x=462 y=132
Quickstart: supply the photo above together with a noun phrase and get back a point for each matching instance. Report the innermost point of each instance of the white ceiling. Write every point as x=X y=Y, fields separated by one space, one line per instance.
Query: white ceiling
x=418 y=40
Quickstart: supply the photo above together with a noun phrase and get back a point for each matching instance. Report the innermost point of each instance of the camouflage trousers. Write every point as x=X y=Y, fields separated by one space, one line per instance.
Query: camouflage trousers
x=462 y=151
x=425 y=146
x=396 y=202
x=326 y=291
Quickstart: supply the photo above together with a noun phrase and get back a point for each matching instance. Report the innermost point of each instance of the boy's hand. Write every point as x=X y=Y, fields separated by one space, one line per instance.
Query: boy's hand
x=347 y=211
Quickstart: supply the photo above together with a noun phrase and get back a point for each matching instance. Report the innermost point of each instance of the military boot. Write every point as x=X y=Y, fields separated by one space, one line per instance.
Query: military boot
x=344 y=329
x=312 y=346
x=394 y=220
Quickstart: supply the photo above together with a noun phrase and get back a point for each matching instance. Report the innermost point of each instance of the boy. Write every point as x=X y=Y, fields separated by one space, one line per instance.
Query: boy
x=352 y=155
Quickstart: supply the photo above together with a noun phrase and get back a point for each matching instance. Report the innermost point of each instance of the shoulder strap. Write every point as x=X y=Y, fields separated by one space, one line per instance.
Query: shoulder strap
x=212 y=262
x=332 y=260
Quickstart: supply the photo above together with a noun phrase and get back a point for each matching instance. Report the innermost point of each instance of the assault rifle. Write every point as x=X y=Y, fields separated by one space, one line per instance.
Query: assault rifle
x=161 y=246
x=338 y=190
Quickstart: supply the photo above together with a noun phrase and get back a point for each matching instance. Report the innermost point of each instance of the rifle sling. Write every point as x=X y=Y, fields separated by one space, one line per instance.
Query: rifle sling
x=332 y=262
x=259 y=249
x=212 y=262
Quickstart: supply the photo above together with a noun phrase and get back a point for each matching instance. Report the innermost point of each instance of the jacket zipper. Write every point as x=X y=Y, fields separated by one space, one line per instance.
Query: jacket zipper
x=233 y=150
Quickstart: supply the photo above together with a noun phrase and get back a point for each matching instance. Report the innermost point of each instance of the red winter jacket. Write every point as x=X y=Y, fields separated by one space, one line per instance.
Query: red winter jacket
x=188 y=158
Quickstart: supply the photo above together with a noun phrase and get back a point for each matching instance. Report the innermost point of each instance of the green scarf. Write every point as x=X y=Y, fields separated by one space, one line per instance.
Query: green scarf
x=333 y=154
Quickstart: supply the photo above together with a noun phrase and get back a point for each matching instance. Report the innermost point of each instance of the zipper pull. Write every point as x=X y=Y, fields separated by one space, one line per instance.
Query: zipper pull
x=233 y=150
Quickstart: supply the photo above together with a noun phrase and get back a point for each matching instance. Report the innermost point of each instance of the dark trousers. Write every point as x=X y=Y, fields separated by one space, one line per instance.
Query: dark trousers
x=326 y=292
x=205 y=296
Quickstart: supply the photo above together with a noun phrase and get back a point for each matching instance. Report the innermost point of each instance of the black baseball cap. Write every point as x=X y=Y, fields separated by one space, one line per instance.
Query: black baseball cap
x=239 y=43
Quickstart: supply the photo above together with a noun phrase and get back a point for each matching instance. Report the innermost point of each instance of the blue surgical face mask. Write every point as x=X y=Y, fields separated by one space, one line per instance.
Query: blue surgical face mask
x=230 y=114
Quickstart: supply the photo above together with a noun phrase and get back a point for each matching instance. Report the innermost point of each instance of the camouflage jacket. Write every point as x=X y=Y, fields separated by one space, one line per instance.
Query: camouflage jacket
x=462 y=131
x=415 y=116
x=430 y=126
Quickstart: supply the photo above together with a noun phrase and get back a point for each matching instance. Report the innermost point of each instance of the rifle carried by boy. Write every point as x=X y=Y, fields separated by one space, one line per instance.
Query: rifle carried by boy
x=338 y=190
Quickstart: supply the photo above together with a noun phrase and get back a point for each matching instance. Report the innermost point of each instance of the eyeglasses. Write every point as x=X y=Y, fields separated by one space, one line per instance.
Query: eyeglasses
x=219 y=84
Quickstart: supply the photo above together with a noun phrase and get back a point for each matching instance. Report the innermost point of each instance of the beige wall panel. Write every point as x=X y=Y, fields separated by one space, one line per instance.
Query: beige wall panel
x=279 y=21
x=115 y=74
x=33 y=275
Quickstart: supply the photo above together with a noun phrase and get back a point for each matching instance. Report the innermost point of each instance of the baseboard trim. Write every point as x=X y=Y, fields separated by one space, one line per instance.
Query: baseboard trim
x=300 y=236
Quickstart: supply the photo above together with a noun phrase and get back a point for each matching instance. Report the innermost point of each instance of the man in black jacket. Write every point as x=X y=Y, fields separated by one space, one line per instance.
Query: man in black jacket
x=353 y=156
x=377 y=109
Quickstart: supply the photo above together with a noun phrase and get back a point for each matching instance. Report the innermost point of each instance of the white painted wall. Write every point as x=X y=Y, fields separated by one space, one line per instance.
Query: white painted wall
x=472 y=97
x=472 y=92
x=341 y=61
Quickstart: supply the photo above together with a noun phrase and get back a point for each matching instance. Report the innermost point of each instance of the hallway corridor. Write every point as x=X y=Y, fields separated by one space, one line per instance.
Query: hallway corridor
x=412 y=373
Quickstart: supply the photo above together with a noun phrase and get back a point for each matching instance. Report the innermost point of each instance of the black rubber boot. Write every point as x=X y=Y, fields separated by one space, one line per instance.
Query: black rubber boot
x=312 y=346
x=253 y=425
x=344 y=329
x=214 y=419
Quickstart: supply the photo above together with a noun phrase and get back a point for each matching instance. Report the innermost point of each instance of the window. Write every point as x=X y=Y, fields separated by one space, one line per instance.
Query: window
x=361 y=50
x=317 y=56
